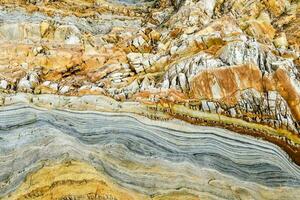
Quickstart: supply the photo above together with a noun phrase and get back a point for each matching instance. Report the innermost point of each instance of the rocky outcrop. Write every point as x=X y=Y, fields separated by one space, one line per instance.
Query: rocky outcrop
x=221 y=63
x=119 y=160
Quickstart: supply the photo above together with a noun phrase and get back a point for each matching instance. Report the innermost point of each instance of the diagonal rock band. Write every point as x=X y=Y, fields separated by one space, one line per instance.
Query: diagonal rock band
x=214 y=65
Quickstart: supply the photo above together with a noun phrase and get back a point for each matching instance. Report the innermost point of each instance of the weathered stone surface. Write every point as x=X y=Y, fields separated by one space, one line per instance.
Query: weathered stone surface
x=231 y=64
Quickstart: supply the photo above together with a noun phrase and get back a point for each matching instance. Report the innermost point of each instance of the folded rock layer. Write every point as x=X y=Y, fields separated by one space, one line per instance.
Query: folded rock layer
x=162 y=99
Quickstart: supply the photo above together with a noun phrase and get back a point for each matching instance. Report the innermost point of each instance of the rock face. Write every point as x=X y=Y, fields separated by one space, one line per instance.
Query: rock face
x=216 y=63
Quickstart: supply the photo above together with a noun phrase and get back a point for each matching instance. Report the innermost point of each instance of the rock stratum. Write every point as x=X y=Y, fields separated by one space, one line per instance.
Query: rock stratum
x=166 y=99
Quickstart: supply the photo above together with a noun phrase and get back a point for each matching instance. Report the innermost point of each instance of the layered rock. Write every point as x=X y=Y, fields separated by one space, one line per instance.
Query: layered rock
x=220 y=63
x=94 y=155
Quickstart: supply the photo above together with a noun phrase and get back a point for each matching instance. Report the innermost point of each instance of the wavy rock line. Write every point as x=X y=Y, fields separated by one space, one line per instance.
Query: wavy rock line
x=142 y=154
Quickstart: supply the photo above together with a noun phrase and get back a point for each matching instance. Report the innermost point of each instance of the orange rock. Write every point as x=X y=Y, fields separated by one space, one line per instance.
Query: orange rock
x=276 y=7
x=288 y=91
x=224 y=83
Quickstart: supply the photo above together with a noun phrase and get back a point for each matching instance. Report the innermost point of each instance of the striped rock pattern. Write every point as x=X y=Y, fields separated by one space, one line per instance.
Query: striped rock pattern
x=149 y=99
x=143 y=155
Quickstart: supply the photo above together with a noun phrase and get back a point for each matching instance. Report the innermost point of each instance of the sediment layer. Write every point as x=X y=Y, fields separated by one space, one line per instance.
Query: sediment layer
x=128 y=99
x=145 y=156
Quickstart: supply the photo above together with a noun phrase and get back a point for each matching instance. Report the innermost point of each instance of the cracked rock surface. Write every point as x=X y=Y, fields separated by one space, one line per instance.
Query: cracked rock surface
x=231 y=64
